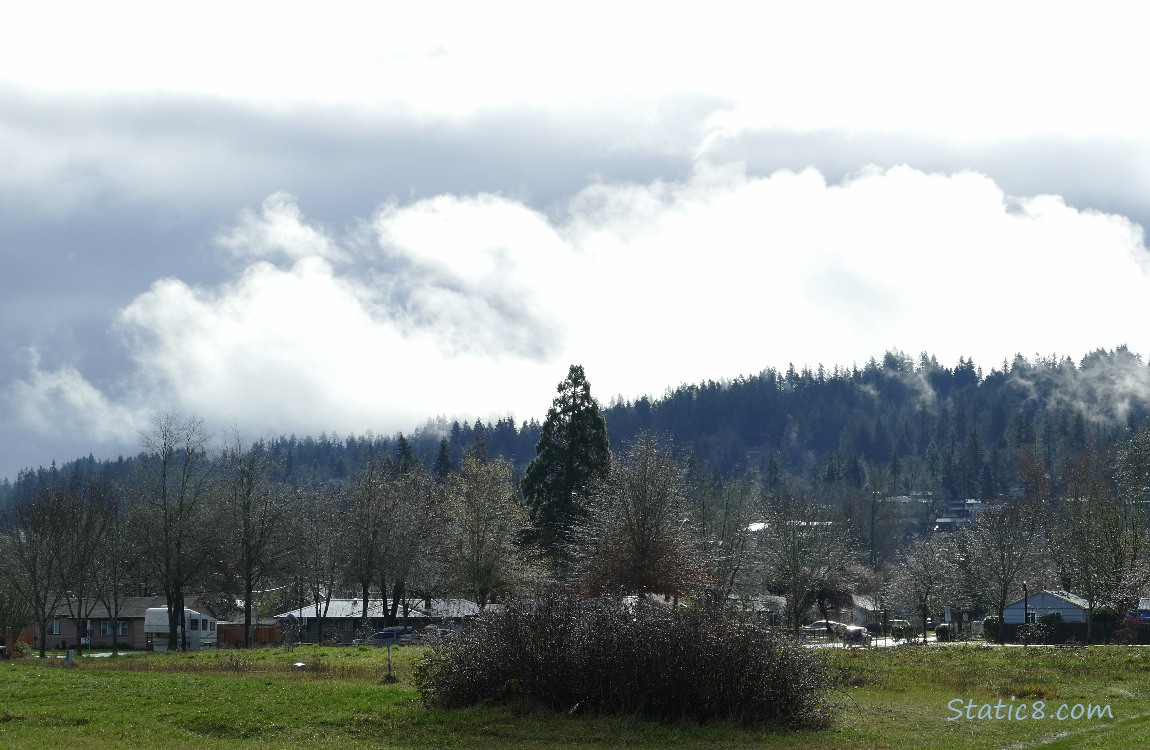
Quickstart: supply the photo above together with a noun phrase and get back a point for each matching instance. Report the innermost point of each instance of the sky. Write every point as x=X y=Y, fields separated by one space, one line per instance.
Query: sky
x=286 y=218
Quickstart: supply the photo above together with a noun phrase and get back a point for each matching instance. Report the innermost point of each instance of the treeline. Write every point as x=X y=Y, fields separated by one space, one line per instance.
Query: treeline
x=222 y=524
x=954 y=432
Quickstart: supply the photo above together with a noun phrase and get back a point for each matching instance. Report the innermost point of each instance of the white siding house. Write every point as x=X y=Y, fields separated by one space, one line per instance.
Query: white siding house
x=1071 y=606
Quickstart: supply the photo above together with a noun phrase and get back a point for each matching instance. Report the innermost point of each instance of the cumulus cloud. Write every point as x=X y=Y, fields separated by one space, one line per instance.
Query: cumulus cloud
x=475 y=304
x=278 y=230
x=62 y=401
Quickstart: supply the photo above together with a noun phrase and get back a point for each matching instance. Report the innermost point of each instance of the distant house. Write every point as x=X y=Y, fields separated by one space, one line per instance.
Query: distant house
x=1071 y=606
x=344 y=619
x=66 y=631
x=863 y=609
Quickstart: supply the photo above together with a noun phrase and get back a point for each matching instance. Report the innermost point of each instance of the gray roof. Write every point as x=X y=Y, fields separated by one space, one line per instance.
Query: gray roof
x=131 y=607
x=378 y=608
x=1066 y=596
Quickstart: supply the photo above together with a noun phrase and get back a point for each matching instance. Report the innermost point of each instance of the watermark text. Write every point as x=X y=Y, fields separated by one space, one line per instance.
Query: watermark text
x=1016 y=710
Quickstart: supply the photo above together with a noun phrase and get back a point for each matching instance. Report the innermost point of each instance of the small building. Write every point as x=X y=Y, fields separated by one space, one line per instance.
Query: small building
x=1071 y=606
x=266 y=631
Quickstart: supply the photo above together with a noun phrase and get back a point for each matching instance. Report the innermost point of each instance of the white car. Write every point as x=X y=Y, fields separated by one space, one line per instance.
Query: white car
x=820 y=626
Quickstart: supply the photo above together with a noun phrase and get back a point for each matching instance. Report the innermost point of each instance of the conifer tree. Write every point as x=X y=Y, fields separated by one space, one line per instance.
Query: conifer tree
x=442 y=467
x=572 y=453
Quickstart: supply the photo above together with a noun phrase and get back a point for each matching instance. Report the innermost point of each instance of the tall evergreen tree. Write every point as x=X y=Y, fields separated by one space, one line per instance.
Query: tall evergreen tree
x=442 y=468
x=573 y=452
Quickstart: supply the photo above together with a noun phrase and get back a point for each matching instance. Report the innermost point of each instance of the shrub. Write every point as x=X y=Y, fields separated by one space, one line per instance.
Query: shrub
x=1033 y=633
x=572 y=654
x=944 y=632
x=1051 y=620
x=1106 y=614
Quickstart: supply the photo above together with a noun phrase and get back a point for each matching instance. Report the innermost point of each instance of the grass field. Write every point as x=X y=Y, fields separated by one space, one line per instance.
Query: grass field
x=891 y=698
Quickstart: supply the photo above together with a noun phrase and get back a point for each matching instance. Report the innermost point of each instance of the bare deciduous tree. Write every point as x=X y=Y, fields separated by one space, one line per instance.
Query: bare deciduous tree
x=320 y=548
x=169 y=510
x=116 y=565
x=724 y=513
x=927 y=577
x=34 y=536
x=806 y=551
x=373 y=501
x=483 y=520
x=416 y=522
x=637 y=533
x=253 y=517
x=1000 y=548
x=90 y=507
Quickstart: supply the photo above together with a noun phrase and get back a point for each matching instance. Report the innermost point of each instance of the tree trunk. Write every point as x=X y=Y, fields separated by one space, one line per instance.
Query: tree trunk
x=248 y=586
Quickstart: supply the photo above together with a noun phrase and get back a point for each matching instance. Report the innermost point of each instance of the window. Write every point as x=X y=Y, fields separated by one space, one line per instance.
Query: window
x=54 y=629
x=194 y=623
x=106 y=627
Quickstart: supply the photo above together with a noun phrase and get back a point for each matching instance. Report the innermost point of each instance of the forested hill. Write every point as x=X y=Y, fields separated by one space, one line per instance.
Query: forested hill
x=957 y=429
x=918 y=424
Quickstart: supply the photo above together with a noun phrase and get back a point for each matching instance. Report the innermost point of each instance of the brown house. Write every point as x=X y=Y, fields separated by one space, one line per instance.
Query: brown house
x=66 y=631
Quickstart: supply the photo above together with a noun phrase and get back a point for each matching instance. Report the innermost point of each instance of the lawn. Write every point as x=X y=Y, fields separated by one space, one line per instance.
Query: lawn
x=891 y=698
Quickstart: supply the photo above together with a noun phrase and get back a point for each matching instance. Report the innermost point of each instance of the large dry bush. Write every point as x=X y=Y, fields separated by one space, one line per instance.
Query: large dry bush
x=645 y=659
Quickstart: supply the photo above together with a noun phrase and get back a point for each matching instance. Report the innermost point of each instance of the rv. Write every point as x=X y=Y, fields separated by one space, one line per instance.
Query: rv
x=201 y=629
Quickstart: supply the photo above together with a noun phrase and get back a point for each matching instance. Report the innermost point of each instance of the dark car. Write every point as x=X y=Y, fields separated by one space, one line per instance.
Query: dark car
x=854 y=635
x=386 y=637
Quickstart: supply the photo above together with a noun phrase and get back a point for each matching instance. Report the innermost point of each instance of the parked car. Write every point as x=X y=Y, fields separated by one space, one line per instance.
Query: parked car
x=820 y=626
x=386 y=637
x=893 y=625
x=856 y=635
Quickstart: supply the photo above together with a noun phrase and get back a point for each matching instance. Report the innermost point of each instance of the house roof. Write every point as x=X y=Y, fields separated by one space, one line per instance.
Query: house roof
x=132 y=607
x=1066 y=596
x=377 y=608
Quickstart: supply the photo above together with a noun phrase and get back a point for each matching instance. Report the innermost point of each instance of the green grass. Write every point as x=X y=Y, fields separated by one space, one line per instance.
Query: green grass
x=892 y=698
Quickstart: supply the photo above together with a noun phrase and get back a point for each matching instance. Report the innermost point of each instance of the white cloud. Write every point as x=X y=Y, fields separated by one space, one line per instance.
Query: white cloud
x=988 y=70
x=62 y=401
x=278 y=230
x=451 y=305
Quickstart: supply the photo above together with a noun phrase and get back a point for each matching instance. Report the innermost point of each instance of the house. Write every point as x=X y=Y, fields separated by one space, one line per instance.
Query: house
x=66 y=629
x=343 y=620
x=1071 y=606
x=863 y=609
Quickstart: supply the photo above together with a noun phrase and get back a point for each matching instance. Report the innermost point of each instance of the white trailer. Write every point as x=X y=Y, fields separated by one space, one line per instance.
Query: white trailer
x=201 y=629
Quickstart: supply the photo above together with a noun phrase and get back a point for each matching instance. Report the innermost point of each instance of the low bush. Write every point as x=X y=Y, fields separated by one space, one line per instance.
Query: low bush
x=572 y=654
x=1106 y=615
